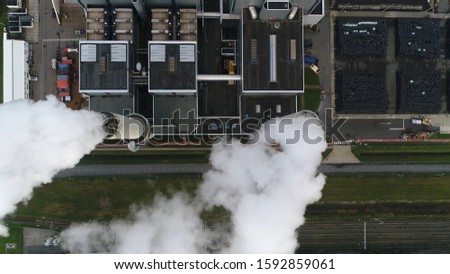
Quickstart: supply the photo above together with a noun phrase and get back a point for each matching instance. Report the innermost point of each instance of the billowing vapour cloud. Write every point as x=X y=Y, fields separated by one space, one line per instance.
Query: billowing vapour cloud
x=38 y=140
x=168 y=226
x=265 y=188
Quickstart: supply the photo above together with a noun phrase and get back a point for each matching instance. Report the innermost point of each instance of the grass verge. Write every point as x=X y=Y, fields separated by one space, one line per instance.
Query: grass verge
x=403 y=152
x=84 y=199
x=395 y=197
x=311 y=97
x=386 y=188
x=311 y=78
x=441 y=136
x=326 y=153
x=15 y=236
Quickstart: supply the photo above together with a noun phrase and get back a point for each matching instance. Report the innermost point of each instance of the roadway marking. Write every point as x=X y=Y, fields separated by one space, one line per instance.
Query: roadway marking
x=62 y=39
x=402 y=128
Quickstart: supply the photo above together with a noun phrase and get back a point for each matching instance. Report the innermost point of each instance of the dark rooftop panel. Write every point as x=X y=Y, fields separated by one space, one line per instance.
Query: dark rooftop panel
x=175 y=114
x=172 y=66
x=11 y=2
x=103 y=66
x=118 y=104
x=14 y=29
x=318 y=8
x=257 y=59
x=262 y=108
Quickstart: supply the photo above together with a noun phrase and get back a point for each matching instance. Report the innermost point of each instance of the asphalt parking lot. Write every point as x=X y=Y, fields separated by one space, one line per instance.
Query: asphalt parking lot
x=46 y=38
x=34 y=239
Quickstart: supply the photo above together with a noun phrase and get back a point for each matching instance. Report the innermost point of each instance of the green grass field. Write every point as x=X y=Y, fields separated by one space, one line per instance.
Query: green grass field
x=311 y=97
x=15 y=236
x=311 y=78
x=407 y=197
x=386 y=188
x=403 y=152
x=440 y=136
x=84 y=199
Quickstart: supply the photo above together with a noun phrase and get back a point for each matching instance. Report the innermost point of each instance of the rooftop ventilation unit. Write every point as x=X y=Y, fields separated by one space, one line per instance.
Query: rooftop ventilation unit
x=275 y=10
x=277 y=5
x=273 y=58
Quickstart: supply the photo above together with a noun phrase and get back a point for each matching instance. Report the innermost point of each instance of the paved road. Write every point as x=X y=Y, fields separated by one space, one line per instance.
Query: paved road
x=128 y=170
x=52 y=36
x=117 y=170
x=375 y=128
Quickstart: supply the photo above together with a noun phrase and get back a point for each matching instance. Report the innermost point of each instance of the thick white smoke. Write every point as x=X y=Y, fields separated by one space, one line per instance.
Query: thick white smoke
x=38 y=140
x=168 y=226
x=265 y=188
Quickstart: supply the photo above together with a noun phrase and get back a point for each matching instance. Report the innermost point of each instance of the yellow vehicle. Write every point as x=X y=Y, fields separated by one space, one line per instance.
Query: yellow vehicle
x=231 y=71
x=315 y=68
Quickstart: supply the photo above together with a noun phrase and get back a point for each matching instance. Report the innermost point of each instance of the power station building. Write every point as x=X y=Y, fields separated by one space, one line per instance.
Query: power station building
x=196 y=66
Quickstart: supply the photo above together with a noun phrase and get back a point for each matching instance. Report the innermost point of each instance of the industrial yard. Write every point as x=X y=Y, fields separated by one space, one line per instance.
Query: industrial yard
x=403 y=61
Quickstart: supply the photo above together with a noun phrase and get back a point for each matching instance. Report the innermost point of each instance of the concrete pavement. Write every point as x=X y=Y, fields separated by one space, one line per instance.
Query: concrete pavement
x=341 y=155
x=46 y=37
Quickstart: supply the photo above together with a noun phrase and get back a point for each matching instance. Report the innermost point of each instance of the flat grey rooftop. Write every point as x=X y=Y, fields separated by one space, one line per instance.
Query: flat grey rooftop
x=175 y=113
x=118 y=104
x=103 y=66
x=172 y=66
x=256 y=52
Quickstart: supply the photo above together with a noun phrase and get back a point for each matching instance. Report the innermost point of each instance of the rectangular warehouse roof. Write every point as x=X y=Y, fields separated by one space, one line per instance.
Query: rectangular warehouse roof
x=272 y=57
x=15 y=70
x=172 y=66
x=104 y=67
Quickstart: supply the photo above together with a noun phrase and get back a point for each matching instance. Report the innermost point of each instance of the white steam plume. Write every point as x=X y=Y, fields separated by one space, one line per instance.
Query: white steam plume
x=266 y=190
x=38 y=139
x=169 y=226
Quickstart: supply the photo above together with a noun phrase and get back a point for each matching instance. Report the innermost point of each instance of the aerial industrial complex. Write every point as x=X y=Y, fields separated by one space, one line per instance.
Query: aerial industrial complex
x=167 y=72
x=213 y=67
x=190 y=67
